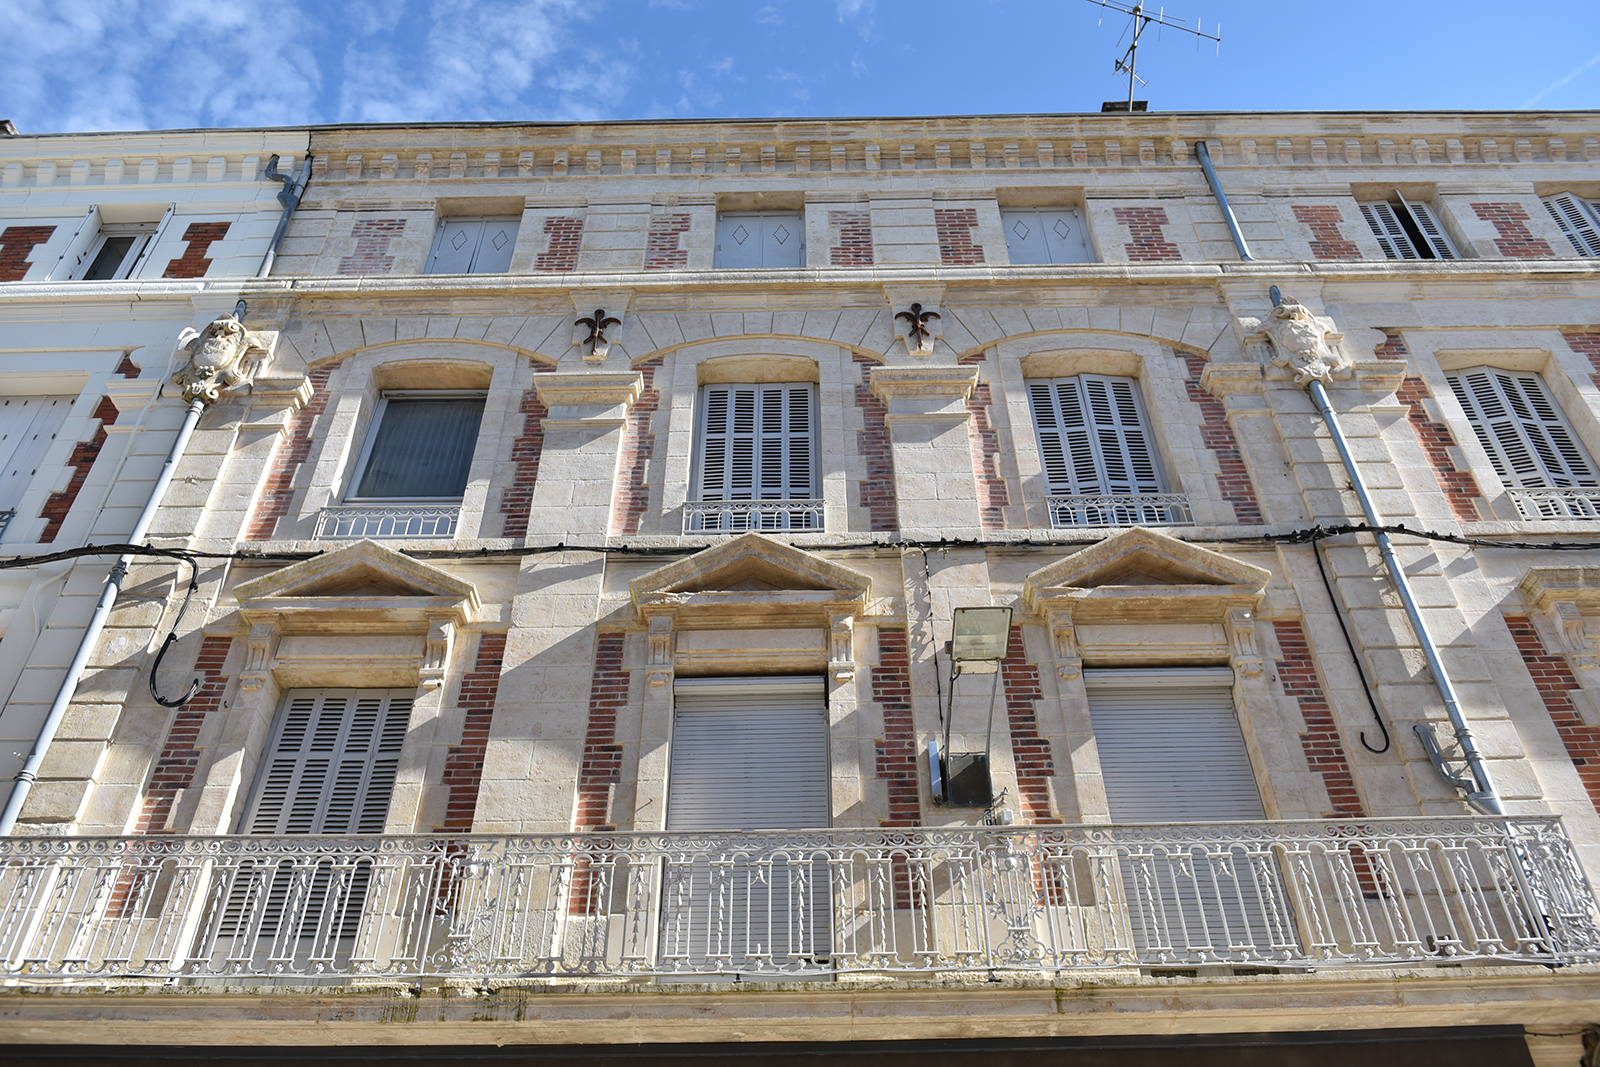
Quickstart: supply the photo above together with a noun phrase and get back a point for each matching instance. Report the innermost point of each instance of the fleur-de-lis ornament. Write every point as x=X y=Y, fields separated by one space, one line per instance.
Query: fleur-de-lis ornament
x=599 y=344
x=919 y=339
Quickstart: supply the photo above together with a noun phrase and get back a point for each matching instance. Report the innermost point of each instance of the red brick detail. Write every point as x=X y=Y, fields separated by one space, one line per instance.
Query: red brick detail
x=525 y=453
x=1149 y=244
x=1323 y=747
x=855 y=239
x=175 y=767
x=638 y=446
x=16 y=245
x=127 y=368
x=82 y=459
x=877 y=491
x=661 y=248
x=1327 y=241
x=372 y=246
x=602 y=756
x=1515 y=240
x=1460 y=487
x=1393 y=346
x=463 y=765
x=1586 y=343
x=897 y=749
x=985 y=445
x=566 y=234
x=955 y=226
x=193 y=263
x=1555 y=681
x=1232 y=476
x=1029 y=750
x=287 y=455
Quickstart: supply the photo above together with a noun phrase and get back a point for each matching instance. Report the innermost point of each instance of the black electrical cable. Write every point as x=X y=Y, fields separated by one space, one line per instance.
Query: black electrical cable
x=172 y=637
x=1338 y=614
x=938 y=683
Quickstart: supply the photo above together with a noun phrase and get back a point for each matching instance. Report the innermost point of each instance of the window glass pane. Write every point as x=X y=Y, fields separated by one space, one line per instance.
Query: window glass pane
x=423 y=448
x=107 y=263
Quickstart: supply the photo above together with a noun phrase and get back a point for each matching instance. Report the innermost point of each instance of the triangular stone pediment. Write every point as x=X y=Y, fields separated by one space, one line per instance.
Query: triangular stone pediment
x=1144 y=574
x=751 y=562
x=360 y=579
x=750 y=580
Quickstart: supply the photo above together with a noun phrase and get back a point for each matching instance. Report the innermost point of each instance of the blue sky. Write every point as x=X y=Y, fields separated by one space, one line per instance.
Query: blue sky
x=154 y=64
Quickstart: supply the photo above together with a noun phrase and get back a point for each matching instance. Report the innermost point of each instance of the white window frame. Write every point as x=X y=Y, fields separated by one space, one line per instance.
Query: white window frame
x=727 y=221
x=1540 y=460
x=358 y=472
x=143 y=233
x=1579 y=220
x=780 y=496
x=1087 y=482
x=475 y=260
x=1387 y=219
x=1052 y=247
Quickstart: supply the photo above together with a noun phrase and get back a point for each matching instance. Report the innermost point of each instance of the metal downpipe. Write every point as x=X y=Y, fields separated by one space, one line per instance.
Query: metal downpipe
x=289 y=197
x=1204 y=154
x=25 y=778
x=1485 y=797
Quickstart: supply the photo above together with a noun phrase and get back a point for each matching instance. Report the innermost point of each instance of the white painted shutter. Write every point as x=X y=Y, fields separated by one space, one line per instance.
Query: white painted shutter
x=1024 y=237
x=1432 y=232
x=331 y=766
x=422 y=448
x=747 y=754
x=1577 y=220
x=1523 y=431
x=142 y=264
x=1385 y=226
x=71 y=262
x=496 y=245
x=455 y=246
x=1065 y=236
x=28 y=425
x=1171 y=751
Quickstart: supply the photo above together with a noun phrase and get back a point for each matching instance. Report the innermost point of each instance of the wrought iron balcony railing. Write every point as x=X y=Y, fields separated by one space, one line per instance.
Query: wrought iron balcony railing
x=1142 y=509
x=1557 y=503
x=354 y=521
x=794 y=903
x=740 y=516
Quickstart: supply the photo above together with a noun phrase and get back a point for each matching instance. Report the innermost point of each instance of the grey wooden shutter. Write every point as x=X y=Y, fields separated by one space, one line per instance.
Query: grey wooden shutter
x=1385 y=226
x=421 y=449
x=1024 y=237
x=1065 y=236
x=783 y=240
x=455 y=246
x=28 y=426
x=495 y=246
x=1432 y=232
x=331 y=765
x=1093 y=436
x=1121 y=436
x=748 y=754
x=1577 y=220
x=755 y=240
x=1066 y=448
x=758 y=442
x=738 y=242
x=1171 y=751
x=1524 y=433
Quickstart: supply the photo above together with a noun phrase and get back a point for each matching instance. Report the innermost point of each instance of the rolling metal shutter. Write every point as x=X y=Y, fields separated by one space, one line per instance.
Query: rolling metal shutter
x=748 y=754
x=1171 y=751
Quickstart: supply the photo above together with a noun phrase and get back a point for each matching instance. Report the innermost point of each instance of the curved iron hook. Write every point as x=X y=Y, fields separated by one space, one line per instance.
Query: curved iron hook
x=172 y=637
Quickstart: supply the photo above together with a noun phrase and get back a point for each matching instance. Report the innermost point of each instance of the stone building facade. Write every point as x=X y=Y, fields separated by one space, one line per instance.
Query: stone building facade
x=631 y=477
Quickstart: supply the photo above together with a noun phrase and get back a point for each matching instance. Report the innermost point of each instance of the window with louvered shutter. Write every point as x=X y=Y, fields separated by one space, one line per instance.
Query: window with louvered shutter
x=758 y=442
x=420 y=447
x=1579 y=220
x=28 y=426
x=331 y=765
x=1093 y=436
x=1432 y=232
x=1407 y=230
x=1523 y=431
x=473 y=246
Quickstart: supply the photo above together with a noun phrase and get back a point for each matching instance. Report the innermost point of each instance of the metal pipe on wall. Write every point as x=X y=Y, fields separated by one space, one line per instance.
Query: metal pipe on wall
x=1204 y=154
x=29 y=773
x=289 y=197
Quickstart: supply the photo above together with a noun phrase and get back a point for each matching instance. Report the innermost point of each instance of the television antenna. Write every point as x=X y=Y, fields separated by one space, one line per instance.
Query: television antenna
x=1139 y=20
